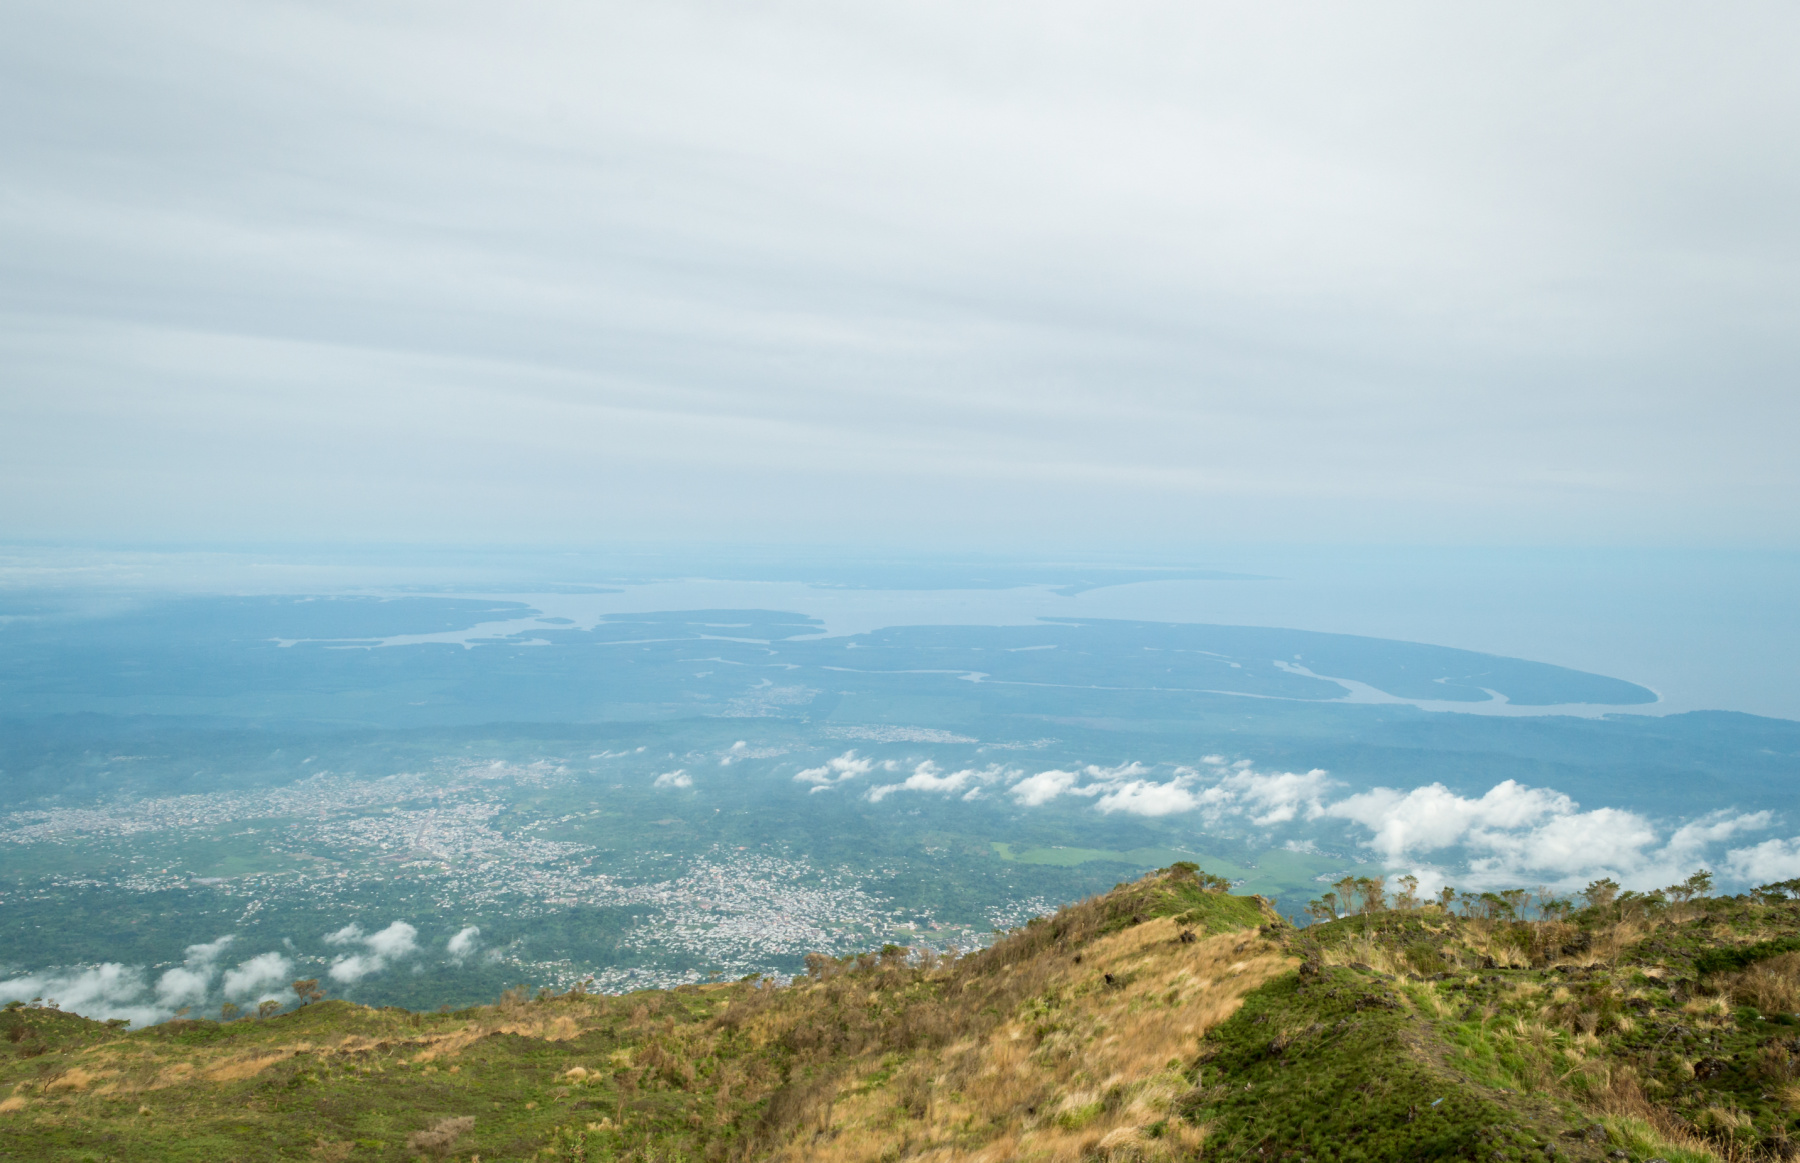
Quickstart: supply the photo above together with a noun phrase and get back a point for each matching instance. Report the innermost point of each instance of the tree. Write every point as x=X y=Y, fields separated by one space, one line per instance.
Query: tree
x=1346 y=894
x=1778 y=890
x=1600 y=893
x=1699 y=884
x=1446 y=897
x=1408 y=896
x=1323 y=909
x=228 y=1011
x=269 y=1008
x=307 y=990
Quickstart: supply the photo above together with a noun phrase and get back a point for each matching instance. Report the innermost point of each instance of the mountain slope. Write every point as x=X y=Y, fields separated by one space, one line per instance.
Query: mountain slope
x=1163 y=1020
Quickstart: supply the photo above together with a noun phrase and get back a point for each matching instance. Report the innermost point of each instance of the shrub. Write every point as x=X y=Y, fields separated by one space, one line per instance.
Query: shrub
x=440 y=1138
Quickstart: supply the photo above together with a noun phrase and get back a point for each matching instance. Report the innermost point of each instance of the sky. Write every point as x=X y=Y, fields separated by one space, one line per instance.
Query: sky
x=970 y=274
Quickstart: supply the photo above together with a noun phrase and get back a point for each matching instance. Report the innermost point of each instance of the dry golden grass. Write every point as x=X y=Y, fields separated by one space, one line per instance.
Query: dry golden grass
x=238 y=1069
x=1082 y=1069
x=1618 y=1094
x=1772 y=986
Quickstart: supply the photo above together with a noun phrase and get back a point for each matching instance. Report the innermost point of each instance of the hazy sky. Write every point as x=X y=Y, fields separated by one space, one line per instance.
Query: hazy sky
x=961 y=273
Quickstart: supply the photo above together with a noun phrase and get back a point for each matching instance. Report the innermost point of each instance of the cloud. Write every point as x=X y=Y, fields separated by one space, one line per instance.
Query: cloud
x=209 y=952
x=927 y=777
x=1514 y=834
x=189 y=983
x=102 y=991
x=1271 y=799
x=1769 y=861
x=183 y=987
x=1263 y=799
x=835 y=771
x=390 y=944
x=1142 y=797
x=1042 y=787
x=113 y=990
x=677 y=778
x=463 y=943
x=1510 y=834
x=397 y=940
x=354 y=967
x=259 y=976
x=1433 y=817
x=839 y=205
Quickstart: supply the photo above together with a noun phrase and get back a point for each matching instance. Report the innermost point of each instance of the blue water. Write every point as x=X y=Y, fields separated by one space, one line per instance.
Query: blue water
x=1714 y=630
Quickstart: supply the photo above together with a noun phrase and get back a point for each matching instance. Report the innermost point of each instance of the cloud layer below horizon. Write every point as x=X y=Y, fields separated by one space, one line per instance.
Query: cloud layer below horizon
x=1511 y=835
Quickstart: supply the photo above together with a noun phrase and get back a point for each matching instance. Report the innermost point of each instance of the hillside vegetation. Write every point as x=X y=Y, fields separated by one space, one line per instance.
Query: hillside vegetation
x=1164 y=1020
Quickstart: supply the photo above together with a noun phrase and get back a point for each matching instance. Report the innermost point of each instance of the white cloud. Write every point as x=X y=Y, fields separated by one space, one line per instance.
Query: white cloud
x=1717 y=827
x=112 y=990
x=1042 y=787
x=463 y=943
x=1511 y=834
x=397 y=940
x=1270 y=799
x=209 y=952
x=259 y=975
x=1769 y=861
x=1265 y=800
x=189 y=983
x=1515 y=834
x=927 y=777
x=1431 y=817
x=183 y=987
x=354 y=967
x=1142 y=797
x=834 y=771
x=677 y=778
x=388 y=945
x=103 y=991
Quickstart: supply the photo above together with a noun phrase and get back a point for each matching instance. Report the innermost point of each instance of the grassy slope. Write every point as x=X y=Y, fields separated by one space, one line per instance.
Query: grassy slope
x=1098 y=1033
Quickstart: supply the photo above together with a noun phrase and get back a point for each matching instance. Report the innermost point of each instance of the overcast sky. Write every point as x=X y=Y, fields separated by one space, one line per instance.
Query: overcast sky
x=976 y=274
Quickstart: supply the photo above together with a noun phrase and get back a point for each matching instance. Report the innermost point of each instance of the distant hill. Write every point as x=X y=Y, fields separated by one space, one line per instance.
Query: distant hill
x=1163 y=1020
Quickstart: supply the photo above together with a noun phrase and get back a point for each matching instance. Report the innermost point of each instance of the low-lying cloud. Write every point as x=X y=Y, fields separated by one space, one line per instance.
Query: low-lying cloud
x=832 y=772
x=928 y=777
x=464 y=943
x=1512 y=834
x=112 y=990
x=261 y=978
x=380 y=950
